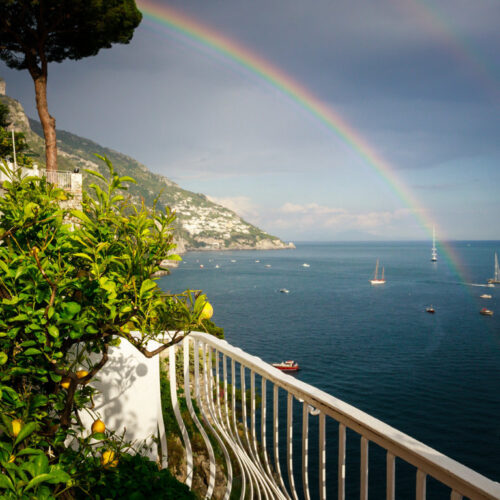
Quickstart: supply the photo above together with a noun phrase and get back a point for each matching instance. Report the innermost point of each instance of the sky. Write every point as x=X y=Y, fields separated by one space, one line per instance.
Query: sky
x=416 y=82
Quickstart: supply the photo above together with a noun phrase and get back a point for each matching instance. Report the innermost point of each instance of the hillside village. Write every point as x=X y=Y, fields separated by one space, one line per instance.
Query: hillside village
x=201 y=224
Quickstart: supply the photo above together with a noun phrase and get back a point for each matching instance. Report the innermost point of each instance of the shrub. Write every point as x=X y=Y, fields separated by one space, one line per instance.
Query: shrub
x=67 y=290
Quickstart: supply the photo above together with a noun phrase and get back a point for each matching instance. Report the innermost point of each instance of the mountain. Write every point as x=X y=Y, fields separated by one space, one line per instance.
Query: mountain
x=201 y=224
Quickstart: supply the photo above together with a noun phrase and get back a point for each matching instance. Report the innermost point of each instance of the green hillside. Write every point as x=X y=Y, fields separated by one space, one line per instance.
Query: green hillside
x=201 y=224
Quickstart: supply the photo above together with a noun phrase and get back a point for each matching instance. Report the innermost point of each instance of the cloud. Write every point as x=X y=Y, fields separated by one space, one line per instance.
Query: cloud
x=325 y=217
x=242 y=205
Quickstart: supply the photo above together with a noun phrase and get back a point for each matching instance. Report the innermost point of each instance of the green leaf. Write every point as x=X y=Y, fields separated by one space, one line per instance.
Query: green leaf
x=174 y=257
x=3 y=358
x=28 y=343
x=55 y=377
x=10 y=302
x=58 y=475
x=19 y=317
x=31 y=209
x=80 y=215
x=84 y=256
x=146 y=286
x=5 y=482
x=32 y=351
x=25 y=432
x=41 y=399
x=29 y=451
x=96 y=174
x=126 y=178
x=41 y=464
x=72 y=308
x=53 y=331
x=37 y=480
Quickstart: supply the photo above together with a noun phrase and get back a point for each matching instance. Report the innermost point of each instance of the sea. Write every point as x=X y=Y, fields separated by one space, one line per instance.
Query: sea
x=435 y=377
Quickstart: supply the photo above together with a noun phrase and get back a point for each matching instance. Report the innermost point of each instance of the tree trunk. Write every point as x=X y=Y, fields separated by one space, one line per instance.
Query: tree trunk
x=48 y=124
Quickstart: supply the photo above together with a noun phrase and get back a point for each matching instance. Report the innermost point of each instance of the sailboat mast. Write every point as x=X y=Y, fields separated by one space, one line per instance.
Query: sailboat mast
x=434 y=249
x=376 y=270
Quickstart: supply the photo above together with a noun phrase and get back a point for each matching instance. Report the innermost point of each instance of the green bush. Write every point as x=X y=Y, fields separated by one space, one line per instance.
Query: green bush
x=72 y=283
x=134 y=477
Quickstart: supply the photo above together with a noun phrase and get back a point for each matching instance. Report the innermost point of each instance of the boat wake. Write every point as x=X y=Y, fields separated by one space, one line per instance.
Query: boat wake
x=479 y=284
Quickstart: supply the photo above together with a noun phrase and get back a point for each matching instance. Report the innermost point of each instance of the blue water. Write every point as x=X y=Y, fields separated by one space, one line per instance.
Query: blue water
x=434 y=377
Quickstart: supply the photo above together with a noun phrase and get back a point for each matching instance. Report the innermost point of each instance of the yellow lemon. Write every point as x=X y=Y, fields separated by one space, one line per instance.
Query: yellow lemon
x=65 y=382
x=82 y=373
x=108 y=458
x=98 y=426
x=17 y=425
x=207 y=311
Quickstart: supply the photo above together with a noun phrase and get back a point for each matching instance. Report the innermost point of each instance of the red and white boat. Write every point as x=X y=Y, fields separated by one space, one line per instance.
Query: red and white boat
x=287 y=366
x=486 y=312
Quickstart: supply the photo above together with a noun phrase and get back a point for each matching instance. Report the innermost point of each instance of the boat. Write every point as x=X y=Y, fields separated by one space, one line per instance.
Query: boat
x=284 y=290
x=376 y=280
x=216 y=266
x=496 y=276
x=287 y=366
x=485 y=296
x=430 y=310
x=486 y=312
x=201 y=266
x=434 y=256
x=267 y=265
x=305 y=265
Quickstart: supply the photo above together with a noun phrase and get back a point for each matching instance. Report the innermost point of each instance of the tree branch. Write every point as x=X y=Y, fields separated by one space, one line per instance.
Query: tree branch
x=151 y=354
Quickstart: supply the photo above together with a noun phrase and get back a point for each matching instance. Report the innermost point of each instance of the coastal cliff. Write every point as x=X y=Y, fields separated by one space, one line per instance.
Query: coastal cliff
x=201 y=224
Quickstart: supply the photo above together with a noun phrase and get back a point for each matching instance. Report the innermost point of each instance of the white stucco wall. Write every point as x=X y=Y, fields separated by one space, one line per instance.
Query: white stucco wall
x=129 y=399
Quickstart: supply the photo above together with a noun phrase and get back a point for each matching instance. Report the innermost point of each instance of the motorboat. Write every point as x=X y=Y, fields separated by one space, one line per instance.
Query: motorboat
x=284 y=290
x=287 y=366
x=486 y=312
x=485 y=296
x=430 y=310
x=305 y=265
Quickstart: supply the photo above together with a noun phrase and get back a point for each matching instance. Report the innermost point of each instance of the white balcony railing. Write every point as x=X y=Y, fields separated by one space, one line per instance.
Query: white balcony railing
x=69 y=181
x=268 y=462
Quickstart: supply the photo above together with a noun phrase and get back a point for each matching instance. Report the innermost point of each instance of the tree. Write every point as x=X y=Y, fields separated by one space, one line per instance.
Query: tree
x=65 y=293
x=34 y=33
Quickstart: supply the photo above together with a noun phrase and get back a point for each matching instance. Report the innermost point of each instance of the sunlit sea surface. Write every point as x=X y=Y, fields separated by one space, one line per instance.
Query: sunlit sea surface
x=435 y=376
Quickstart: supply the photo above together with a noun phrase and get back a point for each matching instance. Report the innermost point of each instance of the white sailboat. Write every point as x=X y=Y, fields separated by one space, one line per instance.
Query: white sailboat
x=496 y=277
x=376 y=280
x=434 y=256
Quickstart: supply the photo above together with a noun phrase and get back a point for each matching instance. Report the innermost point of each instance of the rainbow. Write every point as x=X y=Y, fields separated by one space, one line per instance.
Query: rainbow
x=205 y=37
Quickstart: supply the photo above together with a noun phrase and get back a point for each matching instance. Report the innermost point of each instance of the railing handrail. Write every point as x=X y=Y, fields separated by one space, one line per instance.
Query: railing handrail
x=443 y=468
x=63 y=178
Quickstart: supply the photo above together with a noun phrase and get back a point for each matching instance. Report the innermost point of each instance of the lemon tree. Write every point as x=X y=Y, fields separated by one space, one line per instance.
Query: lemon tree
x=74 y=283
